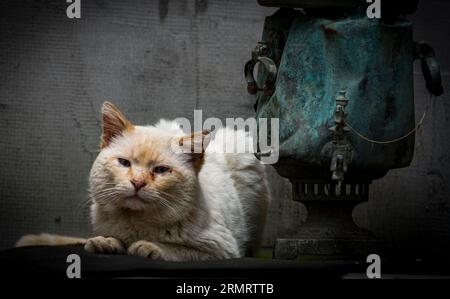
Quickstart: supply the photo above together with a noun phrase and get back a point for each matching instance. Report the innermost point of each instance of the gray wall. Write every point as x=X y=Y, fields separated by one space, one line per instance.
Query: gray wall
x=164 y=59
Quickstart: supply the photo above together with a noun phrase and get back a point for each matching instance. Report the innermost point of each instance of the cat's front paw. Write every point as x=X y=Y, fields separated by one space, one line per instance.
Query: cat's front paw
x=146 y=249
x=106 y=245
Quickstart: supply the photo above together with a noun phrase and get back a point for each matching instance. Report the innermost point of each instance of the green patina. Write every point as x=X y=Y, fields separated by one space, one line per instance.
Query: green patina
x=371 y=60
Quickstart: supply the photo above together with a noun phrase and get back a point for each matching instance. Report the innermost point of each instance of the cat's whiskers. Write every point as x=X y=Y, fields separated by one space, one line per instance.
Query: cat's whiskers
x=166 y=204
x=83 y=204
x=158 y=196
x=106 y=196
x=112 y=193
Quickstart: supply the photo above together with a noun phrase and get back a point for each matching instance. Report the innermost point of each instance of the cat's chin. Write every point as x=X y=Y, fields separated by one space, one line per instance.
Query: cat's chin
x=134 y=203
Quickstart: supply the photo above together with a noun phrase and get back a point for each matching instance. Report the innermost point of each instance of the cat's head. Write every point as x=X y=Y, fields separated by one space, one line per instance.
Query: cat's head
x=139 y=170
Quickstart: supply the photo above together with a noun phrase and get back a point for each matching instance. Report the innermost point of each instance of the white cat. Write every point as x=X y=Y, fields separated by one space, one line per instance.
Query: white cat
x=152 y=201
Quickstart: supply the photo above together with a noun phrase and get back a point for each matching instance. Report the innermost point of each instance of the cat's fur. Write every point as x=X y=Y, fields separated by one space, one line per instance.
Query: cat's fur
x=209 y=205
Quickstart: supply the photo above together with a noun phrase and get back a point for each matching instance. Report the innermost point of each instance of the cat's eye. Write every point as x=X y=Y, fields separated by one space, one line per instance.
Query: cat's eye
x=161 y=169
x=124 y=162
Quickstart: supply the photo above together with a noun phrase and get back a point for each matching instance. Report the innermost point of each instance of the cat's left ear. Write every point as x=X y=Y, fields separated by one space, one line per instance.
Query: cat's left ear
x=195 y=145
x=114 y=123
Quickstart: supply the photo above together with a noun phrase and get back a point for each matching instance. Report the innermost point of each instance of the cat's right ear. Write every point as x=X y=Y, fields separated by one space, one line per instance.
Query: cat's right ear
x=194 y=146
x=114 y=123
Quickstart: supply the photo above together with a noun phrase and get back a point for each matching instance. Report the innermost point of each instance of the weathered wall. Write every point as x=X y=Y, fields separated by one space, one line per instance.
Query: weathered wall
x=164 y=59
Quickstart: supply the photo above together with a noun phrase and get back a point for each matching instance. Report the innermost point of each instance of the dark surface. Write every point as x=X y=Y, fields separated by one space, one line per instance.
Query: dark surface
x=50 y=262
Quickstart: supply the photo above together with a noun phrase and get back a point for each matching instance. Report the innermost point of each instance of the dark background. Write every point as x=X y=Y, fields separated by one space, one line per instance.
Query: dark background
x=166 y=58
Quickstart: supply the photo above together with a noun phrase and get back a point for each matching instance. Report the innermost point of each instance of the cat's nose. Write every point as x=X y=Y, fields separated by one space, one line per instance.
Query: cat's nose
x=138 y=184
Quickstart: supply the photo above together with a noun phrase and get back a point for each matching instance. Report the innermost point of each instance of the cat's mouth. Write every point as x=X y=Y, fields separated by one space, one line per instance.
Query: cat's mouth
x=134 y=202
x=135 y=197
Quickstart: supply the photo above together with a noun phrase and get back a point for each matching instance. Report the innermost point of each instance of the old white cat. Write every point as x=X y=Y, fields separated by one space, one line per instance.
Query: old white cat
x=153 y=201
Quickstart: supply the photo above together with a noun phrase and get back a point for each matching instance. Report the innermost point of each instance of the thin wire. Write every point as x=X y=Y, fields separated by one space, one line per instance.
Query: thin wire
x=396 y=139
